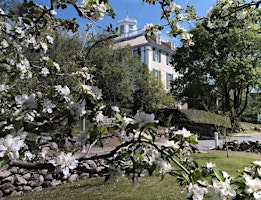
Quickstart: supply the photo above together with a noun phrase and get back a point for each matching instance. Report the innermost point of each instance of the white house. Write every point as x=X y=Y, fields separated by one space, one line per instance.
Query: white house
x=153 y=51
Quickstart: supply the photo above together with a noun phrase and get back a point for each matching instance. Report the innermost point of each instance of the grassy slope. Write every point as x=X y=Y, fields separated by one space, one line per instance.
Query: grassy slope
x=150 y=188
x=201 y=116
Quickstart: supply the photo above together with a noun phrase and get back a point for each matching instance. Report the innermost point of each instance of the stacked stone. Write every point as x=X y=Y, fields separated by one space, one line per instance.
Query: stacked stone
x=17 y=181
x=247 y=146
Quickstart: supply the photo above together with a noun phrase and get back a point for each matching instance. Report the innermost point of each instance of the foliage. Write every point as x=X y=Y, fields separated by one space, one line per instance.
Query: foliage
x=151 y=95
x=224 y=62
x=132 y=83
x=115 y=69
x=252 y=109
x=54 y=101
x=146 y=188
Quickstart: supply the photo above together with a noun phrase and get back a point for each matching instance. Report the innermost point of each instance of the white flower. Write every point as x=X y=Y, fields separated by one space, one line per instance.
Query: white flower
x=31 y=40
x=225 y=174
x=254 y=185
x=126 y=121
x=45 y=71
x=97 y=9
x=53 y=12
x=223 y=189
x=48 y=106
x=4 y=44
x=150 y=29
x=194 y=191
x=181 y=16
x=257 y=195
x=1 y=11
x=4 y=88
x=96 y=92
x=174 y=7
x=28 y=155
x=186 y=36
x=30 y=116
x=171 y=143
x=56 y=66
x=164 y=167
x=49 y=39
x=23 y=66
x=10 y=146
x=92 y=90
x=44 y=46
x=184 y=132
x=76 y=109
x=138 y=134
x=142 y=118
x=259 y=171
x=26 y=101
x=211 y=165
x=2 y=123
x=63 y=91
x=10 y=127
x=115 y=109
x=64 y=163
x=257 y=163
x=20 y=31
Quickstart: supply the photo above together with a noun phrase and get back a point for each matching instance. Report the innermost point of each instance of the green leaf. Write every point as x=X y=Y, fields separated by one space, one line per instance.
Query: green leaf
x=218 y=174
x=152 y=169
x=196 y=175
x=4 y=161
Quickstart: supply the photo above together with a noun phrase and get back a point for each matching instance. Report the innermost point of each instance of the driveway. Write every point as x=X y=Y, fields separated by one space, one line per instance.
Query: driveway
x=205 y=145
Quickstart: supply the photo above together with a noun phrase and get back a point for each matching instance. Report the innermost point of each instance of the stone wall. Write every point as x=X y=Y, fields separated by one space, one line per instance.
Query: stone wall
x=17 y=181
x=247 y=146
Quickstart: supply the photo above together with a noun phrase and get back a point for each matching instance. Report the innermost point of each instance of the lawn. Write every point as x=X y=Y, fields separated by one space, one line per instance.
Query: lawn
x=149 y=188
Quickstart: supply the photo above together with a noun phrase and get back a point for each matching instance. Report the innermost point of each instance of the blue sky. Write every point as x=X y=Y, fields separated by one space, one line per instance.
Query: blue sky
x=142 y=12
x=145 y=13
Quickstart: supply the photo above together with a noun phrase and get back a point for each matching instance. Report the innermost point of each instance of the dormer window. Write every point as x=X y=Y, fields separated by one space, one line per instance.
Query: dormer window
x=121 y=29
x=131 y=28
x=156 y=55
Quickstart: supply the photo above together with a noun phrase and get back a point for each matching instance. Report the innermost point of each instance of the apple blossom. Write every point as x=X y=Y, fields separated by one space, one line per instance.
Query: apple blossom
x=210 y=165
x=26 y=102
x=48 y=106
x=10 y=146
x=142 y=118
x=223 y=189
x=64 y=163
x=45 y=71
x=194 y=191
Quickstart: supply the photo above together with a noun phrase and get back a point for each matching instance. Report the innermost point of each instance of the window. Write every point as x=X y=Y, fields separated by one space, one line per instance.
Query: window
x=168 y=59
x=122 y=29
x=156 y=55
x=136 y=52
x=130 y=28
x=157 y=75
x=169 y=79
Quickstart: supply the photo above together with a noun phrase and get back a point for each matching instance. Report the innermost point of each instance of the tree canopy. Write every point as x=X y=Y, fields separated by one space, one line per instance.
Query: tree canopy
x=224 y=64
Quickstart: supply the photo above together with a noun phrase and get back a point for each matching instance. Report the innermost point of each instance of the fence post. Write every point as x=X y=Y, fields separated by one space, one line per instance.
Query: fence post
x=216 y=139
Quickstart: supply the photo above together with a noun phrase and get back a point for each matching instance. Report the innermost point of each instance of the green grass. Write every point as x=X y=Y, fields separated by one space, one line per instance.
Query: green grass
x=149 y=188
x=250 y=127
x=204 y=117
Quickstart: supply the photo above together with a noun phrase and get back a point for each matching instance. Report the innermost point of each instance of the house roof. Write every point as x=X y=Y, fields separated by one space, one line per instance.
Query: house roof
x=144 y=39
